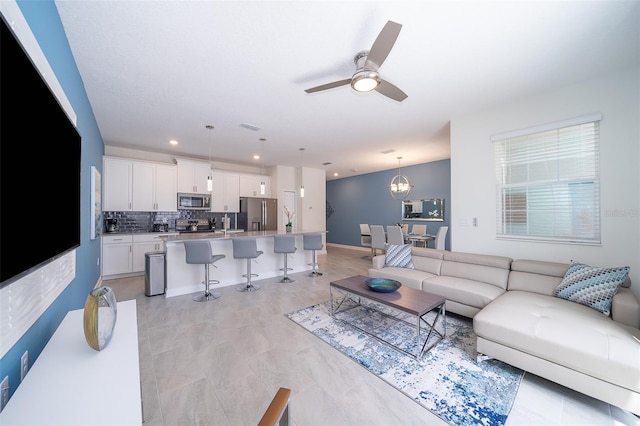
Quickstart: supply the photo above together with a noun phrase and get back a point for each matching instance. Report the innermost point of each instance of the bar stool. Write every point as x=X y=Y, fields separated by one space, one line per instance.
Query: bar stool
x=313 y=242
x=246 y=248
x=285 y=244
x=199 y=253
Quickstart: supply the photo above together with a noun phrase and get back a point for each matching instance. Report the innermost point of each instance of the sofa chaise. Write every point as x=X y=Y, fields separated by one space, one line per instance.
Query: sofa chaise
x=519 y=319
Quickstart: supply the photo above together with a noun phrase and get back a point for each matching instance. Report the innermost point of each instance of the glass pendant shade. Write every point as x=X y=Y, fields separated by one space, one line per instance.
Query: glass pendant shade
x=301 y=173
x=209 y=127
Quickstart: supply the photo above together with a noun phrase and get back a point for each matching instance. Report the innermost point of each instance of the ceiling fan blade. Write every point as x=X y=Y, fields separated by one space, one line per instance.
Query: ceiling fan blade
x=391 y=91
x=329 y=86
x=383 y=44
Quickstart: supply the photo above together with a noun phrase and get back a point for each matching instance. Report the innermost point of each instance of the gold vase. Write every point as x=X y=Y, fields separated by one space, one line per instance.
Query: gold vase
x=100 y=314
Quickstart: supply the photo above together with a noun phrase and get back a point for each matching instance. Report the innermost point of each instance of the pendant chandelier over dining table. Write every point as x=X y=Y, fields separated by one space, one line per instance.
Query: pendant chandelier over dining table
x=400 y=186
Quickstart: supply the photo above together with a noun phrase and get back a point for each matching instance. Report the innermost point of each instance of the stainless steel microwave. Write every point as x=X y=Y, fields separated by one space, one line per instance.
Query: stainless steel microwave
x=194 y=201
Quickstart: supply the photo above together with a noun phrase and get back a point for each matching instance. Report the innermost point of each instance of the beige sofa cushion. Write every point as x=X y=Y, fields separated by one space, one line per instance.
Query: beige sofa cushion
x=566 y=333
x=408 y=277
x=488 y=269
x=536 y=276
x=467 y=292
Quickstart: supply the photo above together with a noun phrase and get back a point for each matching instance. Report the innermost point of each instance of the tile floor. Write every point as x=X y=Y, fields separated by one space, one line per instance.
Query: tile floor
x=220 y=363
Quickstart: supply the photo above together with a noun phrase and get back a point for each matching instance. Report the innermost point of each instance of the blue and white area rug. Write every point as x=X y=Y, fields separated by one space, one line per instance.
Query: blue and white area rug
x=447 y=380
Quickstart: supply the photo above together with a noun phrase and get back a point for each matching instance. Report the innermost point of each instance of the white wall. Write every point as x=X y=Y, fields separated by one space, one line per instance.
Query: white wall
x=617 y=97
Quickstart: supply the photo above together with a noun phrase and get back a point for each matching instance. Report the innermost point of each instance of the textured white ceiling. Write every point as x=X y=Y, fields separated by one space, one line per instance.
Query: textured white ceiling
x=160 y=70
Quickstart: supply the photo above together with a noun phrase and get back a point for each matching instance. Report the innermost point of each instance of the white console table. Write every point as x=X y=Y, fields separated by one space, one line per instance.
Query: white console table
x=72 y=384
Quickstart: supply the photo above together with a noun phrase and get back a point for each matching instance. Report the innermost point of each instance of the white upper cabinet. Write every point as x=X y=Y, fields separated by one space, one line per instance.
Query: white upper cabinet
x=250 y=186
x=225 y=197
x=130 y=185
x=192 y=176
x=117 y=184
x=154 y=187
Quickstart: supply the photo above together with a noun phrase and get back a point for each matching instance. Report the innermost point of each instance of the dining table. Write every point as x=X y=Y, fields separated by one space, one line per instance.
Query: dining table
x=416 y=239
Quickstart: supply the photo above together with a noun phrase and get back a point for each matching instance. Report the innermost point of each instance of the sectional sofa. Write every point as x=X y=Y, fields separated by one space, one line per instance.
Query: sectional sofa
x=520 y=318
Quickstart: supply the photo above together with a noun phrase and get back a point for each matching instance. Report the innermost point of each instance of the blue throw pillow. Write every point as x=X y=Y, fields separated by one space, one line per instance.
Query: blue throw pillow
x=399 y=256
x=591 y=286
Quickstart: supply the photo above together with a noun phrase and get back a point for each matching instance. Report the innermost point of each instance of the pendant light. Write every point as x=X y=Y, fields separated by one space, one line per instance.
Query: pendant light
x=301 y=173
x=400 y=186
x=210 y=177
x=263 y=186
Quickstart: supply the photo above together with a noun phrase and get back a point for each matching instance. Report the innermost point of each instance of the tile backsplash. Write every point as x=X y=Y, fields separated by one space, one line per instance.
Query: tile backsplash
x=143 y=221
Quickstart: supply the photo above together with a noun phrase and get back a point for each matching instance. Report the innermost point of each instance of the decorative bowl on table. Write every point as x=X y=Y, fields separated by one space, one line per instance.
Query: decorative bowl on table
x=382 y=285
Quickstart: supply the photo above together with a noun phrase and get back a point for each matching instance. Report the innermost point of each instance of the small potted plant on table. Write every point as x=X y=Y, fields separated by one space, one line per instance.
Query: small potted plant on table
x=290 y=216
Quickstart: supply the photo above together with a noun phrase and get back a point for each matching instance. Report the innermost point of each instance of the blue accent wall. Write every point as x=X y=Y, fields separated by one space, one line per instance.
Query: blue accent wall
x=366 y=199
x=44 y=21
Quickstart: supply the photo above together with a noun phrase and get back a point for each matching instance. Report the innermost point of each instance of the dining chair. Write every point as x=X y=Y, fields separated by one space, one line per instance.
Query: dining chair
x=378 y=238
x=440 y=237
x=419 y=229
x=394 y=235
x=365 y=236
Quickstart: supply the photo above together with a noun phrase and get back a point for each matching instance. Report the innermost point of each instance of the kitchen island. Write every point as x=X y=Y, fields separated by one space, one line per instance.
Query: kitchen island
x=182 y=278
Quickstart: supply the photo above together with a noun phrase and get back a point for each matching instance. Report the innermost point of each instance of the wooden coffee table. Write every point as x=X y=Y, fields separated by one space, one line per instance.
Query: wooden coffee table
x=417 y=303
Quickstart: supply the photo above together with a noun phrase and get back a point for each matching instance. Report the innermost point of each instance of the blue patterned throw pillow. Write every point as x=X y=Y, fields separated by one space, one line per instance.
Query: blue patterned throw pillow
x=399 y=256
x=591 y=286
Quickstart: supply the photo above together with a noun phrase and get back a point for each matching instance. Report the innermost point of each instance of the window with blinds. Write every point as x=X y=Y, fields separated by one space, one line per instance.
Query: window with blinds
x=548 y=182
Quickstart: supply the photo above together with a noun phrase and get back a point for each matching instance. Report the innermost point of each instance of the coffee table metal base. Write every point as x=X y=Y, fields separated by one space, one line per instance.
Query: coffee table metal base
x=419 y=315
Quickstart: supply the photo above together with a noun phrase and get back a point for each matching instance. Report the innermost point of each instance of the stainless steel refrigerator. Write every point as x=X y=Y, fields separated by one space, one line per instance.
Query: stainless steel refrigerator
x=258 y=214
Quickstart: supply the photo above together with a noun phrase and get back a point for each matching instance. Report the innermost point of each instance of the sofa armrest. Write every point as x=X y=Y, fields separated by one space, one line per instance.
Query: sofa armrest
x=378 y=261
x=625 y=308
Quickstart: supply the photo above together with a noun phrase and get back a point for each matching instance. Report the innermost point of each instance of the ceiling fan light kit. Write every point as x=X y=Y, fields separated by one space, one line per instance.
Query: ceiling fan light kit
x=366 y=78
x=365 y=81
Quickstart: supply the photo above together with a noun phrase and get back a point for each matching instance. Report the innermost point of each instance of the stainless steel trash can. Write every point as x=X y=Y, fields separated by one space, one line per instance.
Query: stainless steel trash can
x=154 y=273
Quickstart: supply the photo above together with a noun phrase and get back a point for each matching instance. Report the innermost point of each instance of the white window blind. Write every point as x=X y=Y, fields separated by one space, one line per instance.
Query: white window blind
x=548 y=182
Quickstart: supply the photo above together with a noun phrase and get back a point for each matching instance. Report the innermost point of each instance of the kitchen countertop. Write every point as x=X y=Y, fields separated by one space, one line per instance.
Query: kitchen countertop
x=234 y=233
x=171 y=231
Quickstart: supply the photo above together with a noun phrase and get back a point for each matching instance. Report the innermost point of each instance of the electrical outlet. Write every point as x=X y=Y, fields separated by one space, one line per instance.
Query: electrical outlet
x=24 y=365
x=4 y=392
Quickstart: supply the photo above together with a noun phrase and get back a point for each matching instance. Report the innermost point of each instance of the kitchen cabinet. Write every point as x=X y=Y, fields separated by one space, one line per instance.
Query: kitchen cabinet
x=225 y=197
x=154 y=187
x=192 y=176
x=117 y=187
x=125 y=253
x=116 y=254
x=250 y=185
x=144 y=243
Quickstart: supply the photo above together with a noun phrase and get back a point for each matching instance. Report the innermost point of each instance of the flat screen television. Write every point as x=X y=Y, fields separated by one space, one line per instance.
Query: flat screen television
x=39 y=168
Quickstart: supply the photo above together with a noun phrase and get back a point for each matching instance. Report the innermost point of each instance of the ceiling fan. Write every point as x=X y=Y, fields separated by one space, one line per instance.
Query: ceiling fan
x=366 y=77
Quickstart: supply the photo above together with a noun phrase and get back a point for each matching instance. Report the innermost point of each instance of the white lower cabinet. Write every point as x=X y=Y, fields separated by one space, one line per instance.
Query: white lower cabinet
x=143 y=244
x=116 y=254
x=125 y=253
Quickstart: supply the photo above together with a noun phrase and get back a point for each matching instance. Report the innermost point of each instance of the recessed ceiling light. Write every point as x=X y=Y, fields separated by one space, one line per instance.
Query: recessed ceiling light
x=173 y=142
x=326 y=163
x=354 y=170
x=256 y=157
x=335 y=173
x=389 y=151
x=250 y=126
